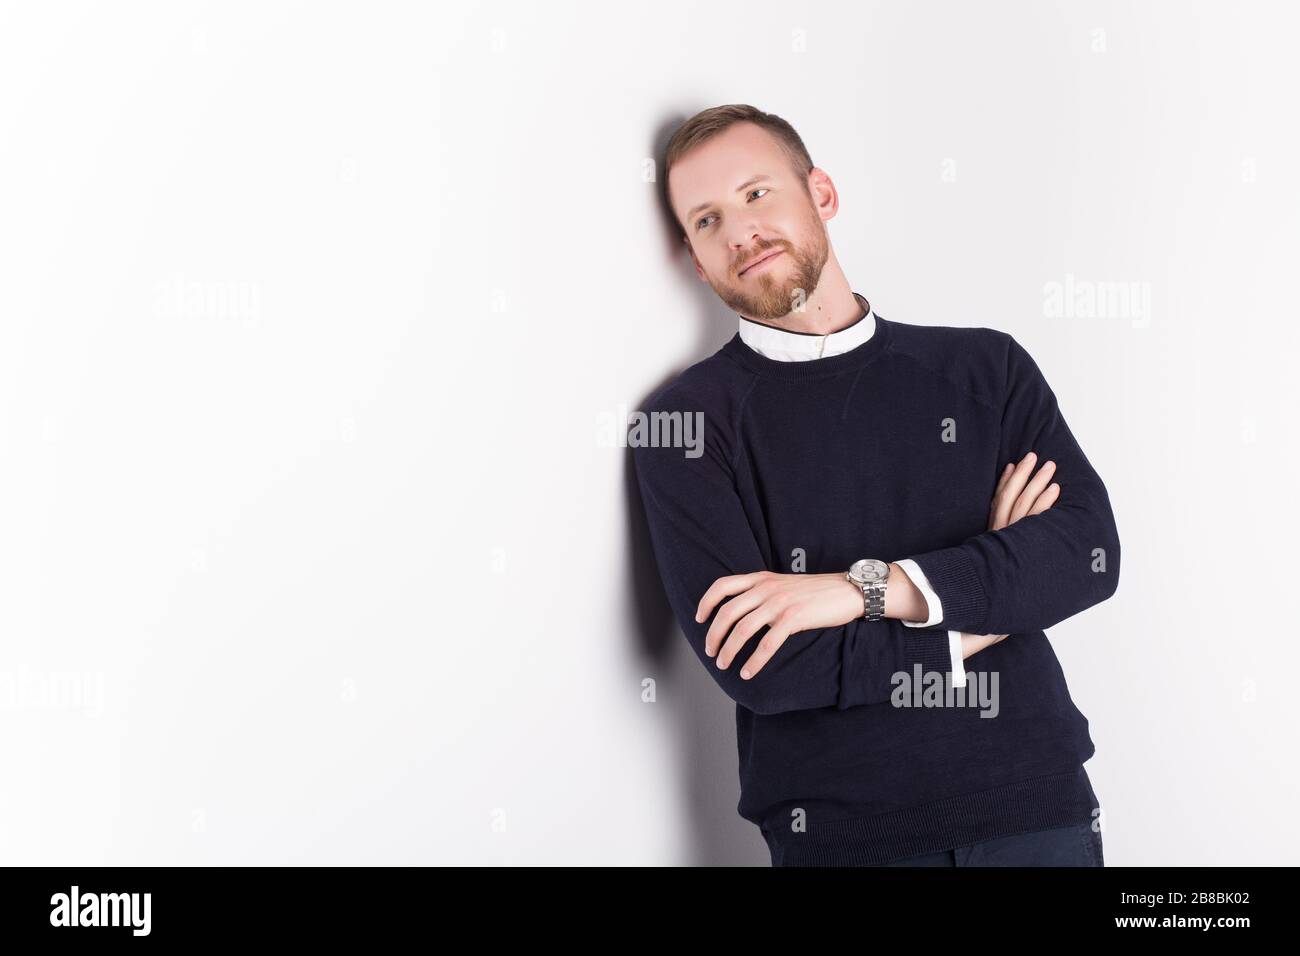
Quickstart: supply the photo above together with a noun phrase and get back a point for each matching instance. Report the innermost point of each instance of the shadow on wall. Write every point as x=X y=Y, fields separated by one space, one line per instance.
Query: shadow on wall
x=703 y=718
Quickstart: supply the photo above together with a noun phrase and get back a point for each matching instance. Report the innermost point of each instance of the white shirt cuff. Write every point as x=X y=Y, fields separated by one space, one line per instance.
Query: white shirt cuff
x=932 y=602
x=958 y=666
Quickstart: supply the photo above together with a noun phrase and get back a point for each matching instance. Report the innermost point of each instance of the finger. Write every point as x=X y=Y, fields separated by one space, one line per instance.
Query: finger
x=731 y=612
x=1032 y=491
x=1002 y=481
x=724 y=587
x=746 y=628
x=1015 y=482
x=974 y=643
x=783 y=627
x=1015 y=489
x=1046 y=499
x=997 y=495
x=1019 y=476
x=1002 y=478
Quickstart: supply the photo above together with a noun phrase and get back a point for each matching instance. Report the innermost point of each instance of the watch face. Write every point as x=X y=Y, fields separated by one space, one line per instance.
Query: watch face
x=869 y=571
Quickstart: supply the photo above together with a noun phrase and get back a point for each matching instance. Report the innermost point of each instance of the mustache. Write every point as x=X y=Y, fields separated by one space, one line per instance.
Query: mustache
x=757 y=253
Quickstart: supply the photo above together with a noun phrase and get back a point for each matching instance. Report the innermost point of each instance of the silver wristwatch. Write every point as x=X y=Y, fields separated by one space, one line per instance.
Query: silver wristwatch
x=871 y=576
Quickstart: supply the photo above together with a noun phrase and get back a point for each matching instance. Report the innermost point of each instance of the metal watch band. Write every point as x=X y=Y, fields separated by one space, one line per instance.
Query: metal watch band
x=873 y=599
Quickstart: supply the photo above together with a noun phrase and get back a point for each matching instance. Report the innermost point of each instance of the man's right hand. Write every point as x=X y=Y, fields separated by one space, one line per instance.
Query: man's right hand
x=1015 y=497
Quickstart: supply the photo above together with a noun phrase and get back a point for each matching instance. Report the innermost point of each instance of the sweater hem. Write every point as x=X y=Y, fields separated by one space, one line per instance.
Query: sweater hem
x=1038 y=803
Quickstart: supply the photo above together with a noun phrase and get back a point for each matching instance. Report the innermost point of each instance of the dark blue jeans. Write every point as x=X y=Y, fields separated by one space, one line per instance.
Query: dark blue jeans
x=1075 y=845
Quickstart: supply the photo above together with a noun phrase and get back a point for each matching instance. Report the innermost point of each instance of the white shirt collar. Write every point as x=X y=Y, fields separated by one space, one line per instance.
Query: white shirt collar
x=786 y=346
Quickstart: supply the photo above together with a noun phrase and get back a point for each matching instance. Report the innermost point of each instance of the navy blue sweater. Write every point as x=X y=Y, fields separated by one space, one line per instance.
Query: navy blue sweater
x=891 y=450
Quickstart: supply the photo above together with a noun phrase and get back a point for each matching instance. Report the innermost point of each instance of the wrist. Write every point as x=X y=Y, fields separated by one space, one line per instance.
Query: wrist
x=903 y=599
x=854 y=602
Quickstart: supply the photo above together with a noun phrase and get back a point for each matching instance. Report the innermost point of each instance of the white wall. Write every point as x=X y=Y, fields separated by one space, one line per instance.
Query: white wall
x=310 y=551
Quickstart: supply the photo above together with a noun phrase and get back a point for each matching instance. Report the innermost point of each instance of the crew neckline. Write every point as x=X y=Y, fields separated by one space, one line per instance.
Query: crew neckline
x=738 y=350
x=793 y=345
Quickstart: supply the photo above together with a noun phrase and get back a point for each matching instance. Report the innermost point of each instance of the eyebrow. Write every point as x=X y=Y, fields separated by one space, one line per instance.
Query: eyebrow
x=745 y=185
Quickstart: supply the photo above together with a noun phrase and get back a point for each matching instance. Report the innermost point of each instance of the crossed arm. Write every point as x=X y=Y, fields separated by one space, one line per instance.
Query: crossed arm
x=1022 y=575
x=788 y=603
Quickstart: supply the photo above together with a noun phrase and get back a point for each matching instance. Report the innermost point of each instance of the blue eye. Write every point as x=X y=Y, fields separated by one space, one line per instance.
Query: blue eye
x=760 y=189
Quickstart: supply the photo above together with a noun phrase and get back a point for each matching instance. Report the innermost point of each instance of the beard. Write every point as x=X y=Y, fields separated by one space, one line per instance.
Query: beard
x=786 y=284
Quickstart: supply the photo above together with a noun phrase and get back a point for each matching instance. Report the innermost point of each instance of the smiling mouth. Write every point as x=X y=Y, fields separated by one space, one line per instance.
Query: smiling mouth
x=764 y=261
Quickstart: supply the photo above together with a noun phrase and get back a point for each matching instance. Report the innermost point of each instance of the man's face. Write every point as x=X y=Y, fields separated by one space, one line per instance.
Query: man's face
x=737 y=199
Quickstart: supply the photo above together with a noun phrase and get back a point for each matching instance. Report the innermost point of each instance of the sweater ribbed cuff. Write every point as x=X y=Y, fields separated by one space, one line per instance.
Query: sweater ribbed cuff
x=929 y=648
x=952 y=575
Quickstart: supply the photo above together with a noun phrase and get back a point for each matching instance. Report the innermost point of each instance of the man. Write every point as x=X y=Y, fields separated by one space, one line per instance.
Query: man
x=859 y=515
